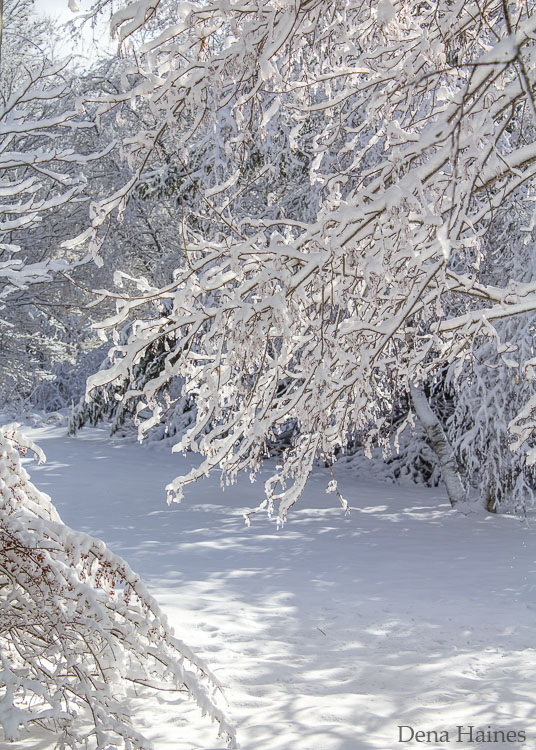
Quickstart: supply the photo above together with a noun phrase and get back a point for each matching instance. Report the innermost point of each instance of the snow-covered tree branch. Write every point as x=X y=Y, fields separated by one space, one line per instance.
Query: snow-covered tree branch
x=78 y=628
x=412 y=125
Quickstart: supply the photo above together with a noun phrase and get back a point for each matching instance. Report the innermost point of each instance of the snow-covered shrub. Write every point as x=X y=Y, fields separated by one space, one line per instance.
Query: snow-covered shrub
x=489 y=395
x=411 y=454
x=494 y=383
x=414 y=459
x=122 y=405
x=78 y=629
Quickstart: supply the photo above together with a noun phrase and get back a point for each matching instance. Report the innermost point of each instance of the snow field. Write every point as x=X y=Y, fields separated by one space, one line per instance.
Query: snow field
x=332 y=631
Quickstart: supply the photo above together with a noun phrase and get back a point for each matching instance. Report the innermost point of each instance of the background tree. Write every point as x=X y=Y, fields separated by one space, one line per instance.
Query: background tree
x=43 y=195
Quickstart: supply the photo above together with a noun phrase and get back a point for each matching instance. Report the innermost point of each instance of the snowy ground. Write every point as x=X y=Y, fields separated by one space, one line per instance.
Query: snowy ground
x=332 y=631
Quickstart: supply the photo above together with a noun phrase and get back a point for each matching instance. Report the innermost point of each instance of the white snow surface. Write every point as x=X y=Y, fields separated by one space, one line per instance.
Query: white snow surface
x=330 y=632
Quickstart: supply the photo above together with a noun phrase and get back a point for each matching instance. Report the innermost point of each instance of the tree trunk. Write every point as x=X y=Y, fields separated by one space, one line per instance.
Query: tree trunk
x=441 y=446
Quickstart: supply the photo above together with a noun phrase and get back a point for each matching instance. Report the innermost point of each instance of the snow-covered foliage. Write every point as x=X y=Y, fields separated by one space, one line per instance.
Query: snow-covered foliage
x=496 y=384
x=413 y=458
x=42 y=196
x=79 y=631
x=487 y=402
x=121 y=405
x=404 y=128
x=476 y=405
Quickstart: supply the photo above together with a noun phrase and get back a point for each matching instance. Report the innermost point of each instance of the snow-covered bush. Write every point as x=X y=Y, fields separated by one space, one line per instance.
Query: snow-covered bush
x=122 y=405
x=78 y=629
x=490 y=393
x=413 y=458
